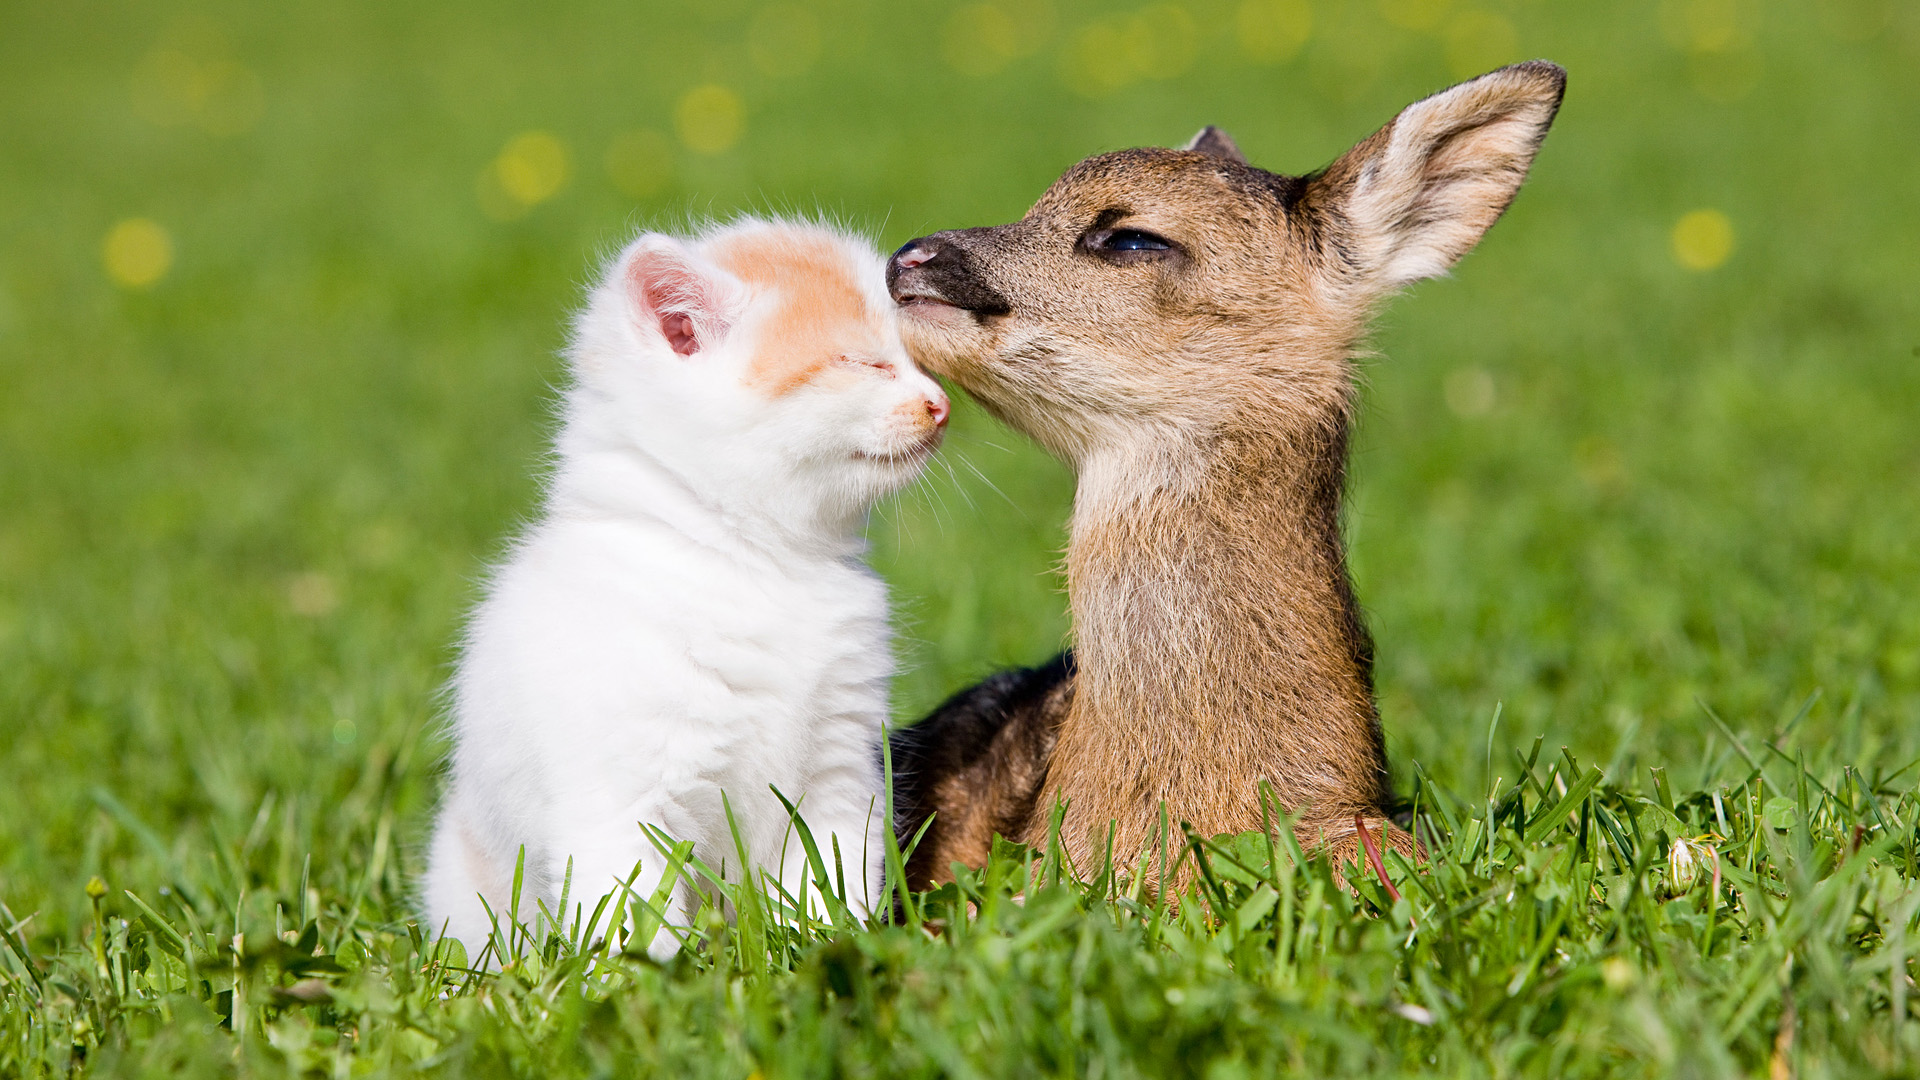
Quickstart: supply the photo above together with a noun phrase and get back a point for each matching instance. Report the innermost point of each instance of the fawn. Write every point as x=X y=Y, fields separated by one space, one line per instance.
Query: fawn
x=1179 y=326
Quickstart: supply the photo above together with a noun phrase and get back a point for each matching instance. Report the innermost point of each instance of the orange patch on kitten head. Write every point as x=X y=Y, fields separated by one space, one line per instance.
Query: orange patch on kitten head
x=822 y=313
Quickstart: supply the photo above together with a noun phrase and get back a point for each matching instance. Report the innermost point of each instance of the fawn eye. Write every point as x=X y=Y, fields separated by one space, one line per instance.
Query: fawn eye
x=1134 y=240
x=1126 y=245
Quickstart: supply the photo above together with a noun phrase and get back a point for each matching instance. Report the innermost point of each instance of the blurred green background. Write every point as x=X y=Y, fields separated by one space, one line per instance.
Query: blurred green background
x=281 y=289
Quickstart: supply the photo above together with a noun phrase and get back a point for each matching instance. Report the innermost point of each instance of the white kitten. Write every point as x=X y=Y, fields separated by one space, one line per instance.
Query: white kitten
x=691 y=615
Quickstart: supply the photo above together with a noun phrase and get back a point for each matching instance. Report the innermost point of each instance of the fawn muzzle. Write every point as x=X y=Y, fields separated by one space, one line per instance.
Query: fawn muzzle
x=938 y=270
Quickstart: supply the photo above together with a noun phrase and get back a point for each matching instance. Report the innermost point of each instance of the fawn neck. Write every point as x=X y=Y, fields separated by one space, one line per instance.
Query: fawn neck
x=1218 y=641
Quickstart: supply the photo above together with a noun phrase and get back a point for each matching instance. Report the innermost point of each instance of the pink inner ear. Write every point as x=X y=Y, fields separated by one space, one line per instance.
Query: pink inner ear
x=677 y=328
x=672 y=299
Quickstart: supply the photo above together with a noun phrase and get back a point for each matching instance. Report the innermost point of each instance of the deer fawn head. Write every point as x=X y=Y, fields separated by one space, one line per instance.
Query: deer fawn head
x=1155 y=296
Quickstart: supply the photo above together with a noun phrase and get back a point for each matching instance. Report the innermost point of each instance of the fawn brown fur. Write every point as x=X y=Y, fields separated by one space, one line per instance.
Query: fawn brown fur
x=1203 y=390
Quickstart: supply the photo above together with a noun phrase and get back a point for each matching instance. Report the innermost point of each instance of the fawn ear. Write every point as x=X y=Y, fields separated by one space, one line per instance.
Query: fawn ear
x=1416 y=195
x=677 y=295
x=1212 y=140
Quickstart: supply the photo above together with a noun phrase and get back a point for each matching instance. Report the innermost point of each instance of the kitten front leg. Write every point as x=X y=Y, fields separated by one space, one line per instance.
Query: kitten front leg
x=619 y=859
x=460 y=871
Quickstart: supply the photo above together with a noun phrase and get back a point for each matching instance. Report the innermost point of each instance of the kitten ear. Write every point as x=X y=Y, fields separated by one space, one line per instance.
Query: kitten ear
x=677 y=295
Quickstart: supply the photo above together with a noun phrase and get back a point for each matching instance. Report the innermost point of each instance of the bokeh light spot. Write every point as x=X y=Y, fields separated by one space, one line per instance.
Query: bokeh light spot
x=1165 y=41
x=172 y=88
x=1705 y=25
x=234 y=101
x=1106 y=55
x=313 y=594
x=166 y=87
x=1856 y=20
x=137 y=253
x=378 y=542
x=783 y=40
x=1469 y=392
x=1344 y=67
x=1724 y=77
x=1600 y=465
x=1717 y=36
x=1092 y=64
x=533 y=167
x=710 y=119
x=1415 y=14
x=1702 y=240
x=1273 y=31
x=640 y=163
x=979 y=39
x=1478 y=42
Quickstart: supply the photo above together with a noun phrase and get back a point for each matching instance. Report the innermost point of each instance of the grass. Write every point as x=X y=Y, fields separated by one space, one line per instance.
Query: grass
x=1562 y=927
x=1660 y=516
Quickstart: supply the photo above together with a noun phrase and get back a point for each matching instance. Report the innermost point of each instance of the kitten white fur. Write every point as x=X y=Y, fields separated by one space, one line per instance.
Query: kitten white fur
x=691 y=615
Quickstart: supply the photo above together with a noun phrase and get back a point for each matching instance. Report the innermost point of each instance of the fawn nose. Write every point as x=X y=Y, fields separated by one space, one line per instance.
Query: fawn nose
x=940 y=270
x=913 y=253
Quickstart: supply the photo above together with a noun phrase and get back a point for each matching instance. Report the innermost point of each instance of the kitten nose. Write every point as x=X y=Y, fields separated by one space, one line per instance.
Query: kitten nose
x=938 y=410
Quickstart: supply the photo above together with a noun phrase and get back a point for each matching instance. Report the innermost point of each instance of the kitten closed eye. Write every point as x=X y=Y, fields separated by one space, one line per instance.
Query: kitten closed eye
x=883 y=366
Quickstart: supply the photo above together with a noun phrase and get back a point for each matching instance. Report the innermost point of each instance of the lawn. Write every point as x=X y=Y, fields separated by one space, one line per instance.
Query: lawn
x=281 y=289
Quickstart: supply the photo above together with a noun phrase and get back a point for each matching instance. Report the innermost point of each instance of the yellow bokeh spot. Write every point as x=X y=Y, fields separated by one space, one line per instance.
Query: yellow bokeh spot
x=172 y=87
x=1273 y=31
x=640 y=163
x=1157 y=42
x=1164 y=40
x=980 y=39
x=1470 y=392
x=166 y=87
x=312 y=594
x=1091 y=65
x=137 y=253
x=1478 y=42
x=1725 y=77
x=1705 y=25
x=235 y=102
x=1599 y=463
x=533 y=167
x=783 y=39
x=1415 y=14
x=1618 y=974
x=1702 y=240
x=1344 y=66
x=1856 y=20
x=710 y=119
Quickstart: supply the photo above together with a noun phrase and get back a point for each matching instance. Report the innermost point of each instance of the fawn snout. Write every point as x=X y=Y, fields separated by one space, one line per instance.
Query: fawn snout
x=937 y=271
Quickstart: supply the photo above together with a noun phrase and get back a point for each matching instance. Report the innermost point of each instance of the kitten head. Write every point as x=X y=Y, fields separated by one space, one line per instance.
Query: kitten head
x=760 y=362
